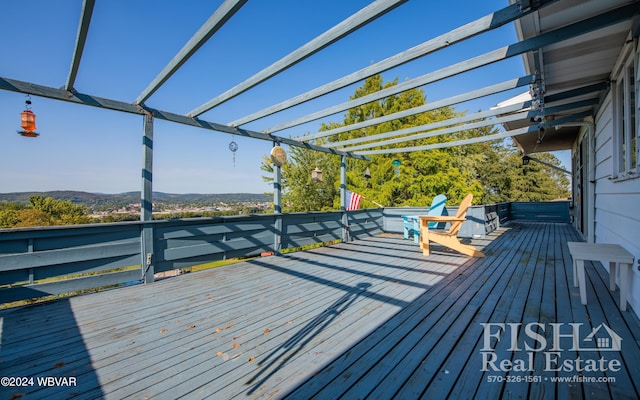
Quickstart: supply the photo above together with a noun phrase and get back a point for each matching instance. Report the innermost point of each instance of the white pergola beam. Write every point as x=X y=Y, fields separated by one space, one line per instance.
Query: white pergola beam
x=474 y=94
x=479 y=139
x=471 y=117
x=438 y=132
x=432 y=126
x=208 y=29
x=481 y=25
x=534 y=43
x=354 y=22
x=14 y=85
x=81 y=38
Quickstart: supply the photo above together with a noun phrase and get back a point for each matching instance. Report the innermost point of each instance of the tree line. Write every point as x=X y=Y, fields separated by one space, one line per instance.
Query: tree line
x=47 y=211
x=493 y=171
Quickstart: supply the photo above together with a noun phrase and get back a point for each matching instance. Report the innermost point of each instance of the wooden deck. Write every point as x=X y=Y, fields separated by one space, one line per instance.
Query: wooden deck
x=371 y=318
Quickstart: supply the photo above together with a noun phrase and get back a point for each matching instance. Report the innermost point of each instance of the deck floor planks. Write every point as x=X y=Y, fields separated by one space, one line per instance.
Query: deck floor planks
x=483 y=300
x=514 y=308
x=369 y=309
x=548 y=313
x=359 y=358
x=289 y=310
x=469 y=378
x=278 y=342
x=608 y=300
x=531 y=312
x=432 y=310
x=343 y=285
x=623 y=324
x=465 y=357
x=375 y=323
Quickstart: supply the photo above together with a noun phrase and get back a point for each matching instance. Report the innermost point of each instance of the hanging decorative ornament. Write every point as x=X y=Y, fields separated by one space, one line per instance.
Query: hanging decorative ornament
x=278 y=156
x=396 y=167
x=233 y=146
x=316 y=175
x=28 y=120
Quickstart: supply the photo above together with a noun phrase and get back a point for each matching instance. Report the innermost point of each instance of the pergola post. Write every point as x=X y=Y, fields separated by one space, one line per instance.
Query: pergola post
x=277 y=206
x=146 y=201
x=343 y=198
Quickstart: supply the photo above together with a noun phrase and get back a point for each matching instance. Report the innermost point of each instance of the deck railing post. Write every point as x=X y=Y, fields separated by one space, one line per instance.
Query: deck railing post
x=146 y=202
x=343 y=199
x=277 y=206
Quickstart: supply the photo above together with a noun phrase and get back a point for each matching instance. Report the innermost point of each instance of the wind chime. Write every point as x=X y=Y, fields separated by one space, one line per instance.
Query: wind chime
x=233 y=146
x=28 y=120
x=537 y=92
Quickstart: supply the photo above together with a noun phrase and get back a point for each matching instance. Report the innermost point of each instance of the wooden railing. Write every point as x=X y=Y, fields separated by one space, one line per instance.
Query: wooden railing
x=36 y=262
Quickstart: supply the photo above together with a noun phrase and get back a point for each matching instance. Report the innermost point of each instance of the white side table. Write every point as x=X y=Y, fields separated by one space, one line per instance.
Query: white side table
x=614 y=254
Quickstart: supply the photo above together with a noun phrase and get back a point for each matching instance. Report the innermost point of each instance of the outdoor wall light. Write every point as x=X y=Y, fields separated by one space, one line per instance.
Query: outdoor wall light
x=525 y=159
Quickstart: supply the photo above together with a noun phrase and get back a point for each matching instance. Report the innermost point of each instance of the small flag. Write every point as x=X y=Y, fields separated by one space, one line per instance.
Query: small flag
x=353 y=200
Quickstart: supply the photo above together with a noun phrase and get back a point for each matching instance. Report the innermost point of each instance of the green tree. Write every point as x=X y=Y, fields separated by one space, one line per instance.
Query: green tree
x=505 y=178
x=43 y=211
x=299 y=193
x=491 y=171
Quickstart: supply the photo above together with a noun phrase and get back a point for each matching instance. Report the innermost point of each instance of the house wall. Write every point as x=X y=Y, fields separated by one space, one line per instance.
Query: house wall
x=617 y=215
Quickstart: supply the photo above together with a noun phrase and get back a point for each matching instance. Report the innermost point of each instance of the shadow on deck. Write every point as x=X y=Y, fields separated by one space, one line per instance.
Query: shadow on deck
x=369 y=318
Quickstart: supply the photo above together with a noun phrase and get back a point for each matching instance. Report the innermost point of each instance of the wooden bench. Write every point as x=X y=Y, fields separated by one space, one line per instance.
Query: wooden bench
x=614 y=254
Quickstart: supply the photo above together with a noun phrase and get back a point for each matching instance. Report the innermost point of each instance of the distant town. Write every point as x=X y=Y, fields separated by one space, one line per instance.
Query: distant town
x=122 y=206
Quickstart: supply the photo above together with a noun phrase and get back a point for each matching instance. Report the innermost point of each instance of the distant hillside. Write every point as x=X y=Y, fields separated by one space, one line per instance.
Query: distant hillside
x=100 y=201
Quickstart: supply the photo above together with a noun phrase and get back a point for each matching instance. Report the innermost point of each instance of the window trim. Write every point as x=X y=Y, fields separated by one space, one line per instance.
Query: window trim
x=621 y=101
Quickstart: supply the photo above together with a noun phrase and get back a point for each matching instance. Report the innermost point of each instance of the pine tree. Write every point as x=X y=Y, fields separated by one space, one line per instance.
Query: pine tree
x=492 y=171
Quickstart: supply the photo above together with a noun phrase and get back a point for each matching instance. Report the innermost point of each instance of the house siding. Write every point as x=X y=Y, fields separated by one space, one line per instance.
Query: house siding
x=617 y=217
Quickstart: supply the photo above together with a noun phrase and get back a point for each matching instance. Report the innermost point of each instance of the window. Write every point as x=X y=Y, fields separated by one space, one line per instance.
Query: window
x=626 y=150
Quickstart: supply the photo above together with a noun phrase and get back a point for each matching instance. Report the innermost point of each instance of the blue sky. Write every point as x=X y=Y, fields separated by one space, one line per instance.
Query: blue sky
x=129 y=42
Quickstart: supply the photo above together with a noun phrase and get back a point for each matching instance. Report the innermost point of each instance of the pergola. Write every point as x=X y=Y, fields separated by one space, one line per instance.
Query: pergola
x=555 y=98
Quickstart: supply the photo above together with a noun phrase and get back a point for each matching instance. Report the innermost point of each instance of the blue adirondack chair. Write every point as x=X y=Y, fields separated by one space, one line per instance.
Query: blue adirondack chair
x=412 y=222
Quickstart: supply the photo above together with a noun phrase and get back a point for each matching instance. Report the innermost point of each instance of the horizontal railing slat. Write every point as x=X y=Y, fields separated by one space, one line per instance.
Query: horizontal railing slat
x=200 y=249
x=179 y=232
x=63 y=256
x=68 y=285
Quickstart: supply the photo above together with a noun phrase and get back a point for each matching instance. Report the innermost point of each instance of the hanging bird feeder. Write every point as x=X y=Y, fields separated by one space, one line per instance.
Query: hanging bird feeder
x=396 y=167
x=28 y=120
x=316 y=175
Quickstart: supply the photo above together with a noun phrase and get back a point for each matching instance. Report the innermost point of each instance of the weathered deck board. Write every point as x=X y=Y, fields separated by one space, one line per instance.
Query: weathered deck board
x=371 y=318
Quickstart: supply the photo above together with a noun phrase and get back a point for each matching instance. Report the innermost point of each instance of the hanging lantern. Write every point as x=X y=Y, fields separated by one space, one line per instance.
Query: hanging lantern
x=316 y=175
x=367 y=173
x=28 y=120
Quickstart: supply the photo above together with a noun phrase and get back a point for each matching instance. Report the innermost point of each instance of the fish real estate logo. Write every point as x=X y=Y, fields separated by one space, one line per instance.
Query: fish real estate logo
x=552 y=341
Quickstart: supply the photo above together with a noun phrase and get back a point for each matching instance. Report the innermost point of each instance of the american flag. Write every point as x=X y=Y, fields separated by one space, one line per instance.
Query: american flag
x=353 y=200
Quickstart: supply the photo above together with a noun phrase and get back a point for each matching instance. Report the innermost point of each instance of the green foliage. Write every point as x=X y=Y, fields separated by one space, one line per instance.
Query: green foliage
x=510 y=180
x=300 y=194
x=491 y=171
x=42 y=211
